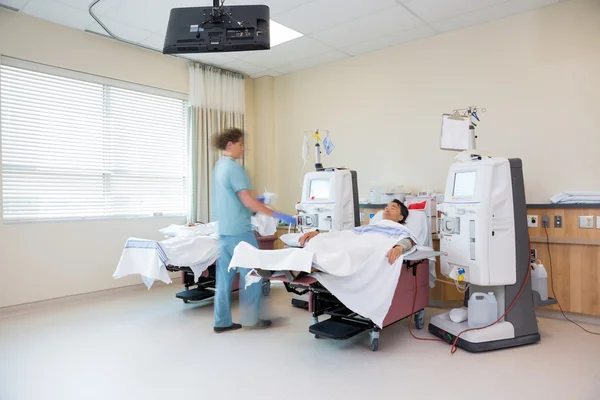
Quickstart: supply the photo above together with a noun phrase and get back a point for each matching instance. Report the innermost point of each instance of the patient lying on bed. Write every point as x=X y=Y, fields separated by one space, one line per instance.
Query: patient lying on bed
x=340 y=253
x=395 y=211
x=360 y=267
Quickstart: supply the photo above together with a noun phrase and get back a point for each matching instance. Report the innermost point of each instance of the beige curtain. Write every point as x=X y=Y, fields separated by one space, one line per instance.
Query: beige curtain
x=217 y=102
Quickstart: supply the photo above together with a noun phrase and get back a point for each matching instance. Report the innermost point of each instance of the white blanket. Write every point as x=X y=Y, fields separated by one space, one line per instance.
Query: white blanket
x=196 y=247
x=354 y=264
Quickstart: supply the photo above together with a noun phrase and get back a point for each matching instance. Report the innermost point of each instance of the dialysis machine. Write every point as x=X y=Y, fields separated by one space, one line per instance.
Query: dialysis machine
x=329 y=201
x=485 y=245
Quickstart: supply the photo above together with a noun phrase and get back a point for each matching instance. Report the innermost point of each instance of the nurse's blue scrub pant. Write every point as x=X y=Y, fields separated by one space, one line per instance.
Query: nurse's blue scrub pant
x=249 y=298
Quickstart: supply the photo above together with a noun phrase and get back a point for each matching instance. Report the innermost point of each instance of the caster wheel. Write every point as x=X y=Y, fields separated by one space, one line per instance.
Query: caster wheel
x=375 y=344
x=266 y=289
x=186 y=301
x=420 y=319
x=317 y=337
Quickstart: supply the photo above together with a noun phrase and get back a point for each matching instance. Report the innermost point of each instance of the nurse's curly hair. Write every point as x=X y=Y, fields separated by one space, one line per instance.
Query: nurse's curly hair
x=403 y=210
x=232 y=135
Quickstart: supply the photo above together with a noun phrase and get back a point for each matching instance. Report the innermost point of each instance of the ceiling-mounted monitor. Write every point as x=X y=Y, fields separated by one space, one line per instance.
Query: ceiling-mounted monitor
x=217 y=29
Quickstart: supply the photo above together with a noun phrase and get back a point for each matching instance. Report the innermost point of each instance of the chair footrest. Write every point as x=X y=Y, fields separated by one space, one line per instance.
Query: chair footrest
x=195 y=294
x=337 y=329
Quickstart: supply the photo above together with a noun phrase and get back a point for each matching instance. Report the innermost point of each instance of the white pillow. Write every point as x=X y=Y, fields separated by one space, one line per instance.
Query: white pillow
x=376 y=218
x=291 y=239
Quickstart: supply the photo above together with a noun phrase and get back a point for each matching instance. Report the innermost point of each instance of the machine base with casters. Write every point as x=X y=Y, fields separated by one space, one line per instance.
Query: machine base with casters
x=496 y=337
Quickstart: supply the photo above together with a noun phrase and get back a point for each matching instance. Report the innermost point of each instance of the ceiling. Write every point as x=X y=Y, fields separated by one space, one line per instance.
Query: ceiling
x=333 y=29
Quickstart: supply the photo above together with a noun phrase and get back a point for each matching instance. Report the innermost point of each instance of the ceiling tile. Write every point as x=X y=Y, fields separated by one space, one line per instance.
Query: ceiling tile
x=368 y=28
x=310 y=62
x=390 y=40
x=243 y=67
x=58 y=13
x=491 y=13
x=286 y=53
x=217 y=59
x=269 y=72
x=120 y=29
x=17 y=4
x=155 y=40
x=275 y=6
x=151 y=15
x=436 y=10
x=322 y=14
x=100 y=8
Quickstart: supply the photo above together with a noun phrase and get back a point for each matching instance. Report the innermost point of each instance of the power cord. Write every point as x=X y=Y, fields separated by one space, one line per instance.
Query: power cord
x=413 y=312
x=552 y=286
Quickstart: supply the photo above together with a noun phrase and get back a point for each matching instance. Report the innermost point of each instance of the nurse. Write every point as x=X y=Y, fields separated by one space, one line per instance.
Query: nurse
x=233 y=206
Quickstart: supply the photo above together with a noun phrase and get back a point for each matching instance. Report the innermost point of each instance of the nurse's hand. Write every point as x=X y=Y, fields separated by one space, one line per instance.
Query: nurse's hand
x=394 y=253
x=306 y=237
x=288 y=219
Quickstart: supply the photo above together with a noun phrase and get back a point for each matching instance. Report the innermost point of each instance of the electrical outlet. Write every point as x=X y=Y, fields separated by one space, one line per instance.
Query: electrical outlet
x=532 y=221
x=545 y=221
x=533 y=255
x=557 y=221
x=598 y=222
x=586 y=222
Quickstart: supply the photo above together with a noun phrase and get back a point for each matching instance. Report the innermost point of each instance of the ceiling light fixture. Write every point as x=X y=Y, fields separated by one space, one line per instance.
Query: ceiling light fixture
x=281 y=34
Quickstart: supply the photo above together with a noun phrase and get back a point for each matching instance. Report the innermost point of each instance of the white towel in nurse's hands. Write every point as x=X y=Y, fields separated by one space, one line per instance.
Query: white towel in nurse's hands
x=264 y=225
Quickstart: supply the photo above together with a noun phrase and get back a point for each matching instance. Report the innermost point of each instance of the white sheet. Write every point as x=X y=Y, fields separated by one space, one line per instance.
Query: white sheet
x=196 y=247
x=358 y=272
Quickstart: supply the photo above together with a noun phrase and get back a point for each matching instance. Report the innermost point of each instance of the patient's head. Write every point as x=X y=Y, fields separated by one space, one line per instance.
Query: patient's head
x=395 y=211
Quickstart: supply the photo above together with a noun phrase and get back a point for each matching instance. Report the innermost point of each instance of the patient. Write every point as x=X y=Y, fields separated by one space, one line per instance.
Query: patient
x=395 y=211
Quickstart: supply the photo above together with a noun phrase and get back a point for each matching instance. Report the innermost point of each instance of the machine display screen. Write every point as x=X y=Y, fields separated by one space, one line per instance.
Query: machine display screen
x=319 y=189
x=464 y=184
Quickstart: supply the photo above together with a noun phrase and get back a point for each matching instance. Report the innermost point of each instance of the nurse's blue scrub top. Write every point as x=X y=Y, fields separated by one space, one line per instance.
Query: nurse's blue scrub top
x=229 y=178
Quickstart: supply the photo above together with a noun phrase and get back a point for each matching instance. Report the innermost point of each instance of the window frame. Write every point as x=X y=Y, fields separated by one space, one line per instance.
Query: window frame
x=110 y=82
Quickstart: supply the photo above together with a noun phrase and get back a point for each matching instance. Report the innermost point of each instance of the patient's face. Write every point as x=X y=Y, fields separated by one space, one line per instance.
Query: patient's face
x=392 y=212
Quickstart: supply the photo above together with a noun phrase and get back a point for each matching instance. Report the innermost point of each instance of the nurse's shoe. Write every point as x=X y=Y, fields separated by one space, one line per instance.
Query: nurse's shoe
x=262 y=323
x=227 y=328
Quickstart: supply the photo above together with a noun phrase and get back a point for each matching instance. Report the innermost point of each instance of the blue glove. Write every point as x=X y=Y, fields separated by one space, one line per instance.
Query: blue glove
x=261 y=199
x=288 y=219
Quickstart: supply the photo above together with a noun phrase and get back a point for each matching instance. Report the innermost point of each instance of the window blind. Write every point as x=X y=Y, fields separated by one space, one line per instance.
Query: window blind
x=78 y=149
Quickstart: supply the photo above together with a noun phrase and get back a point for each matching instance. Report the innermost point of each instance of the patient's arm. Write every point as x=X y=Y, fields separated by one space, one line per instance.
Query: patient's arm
x=306 y=237
x=395 y=252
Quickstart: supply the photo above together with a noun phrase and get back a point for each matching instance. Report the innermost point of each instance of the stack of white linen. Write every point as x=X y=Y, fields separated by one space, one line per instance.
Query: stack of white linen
x=576 y=198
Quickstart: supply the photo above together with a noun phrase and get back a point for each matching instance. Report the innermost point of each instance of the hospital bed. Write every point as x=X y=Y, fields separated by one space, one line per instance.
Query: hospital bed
x=204 y=288
x=191 y=250
x=411 y=295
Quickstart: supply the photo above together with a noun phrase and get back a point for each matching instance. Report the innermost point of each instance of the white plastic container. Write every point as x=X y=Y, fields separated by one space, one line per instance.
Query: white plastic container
x=483 y=310
x=375 y=194
x=539 y=281
x=386 y=198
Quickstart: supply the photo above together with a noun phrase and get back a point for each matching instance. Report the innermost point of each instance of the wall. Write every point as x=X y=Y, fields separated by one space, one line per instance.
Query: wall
x=46 y=260
x=536 y=73
x=264 y=108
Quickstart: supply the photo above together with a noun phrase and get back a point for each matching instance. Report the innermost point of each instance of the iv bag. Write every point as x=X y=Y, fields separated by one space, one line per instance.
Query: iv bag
x=305 y=149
